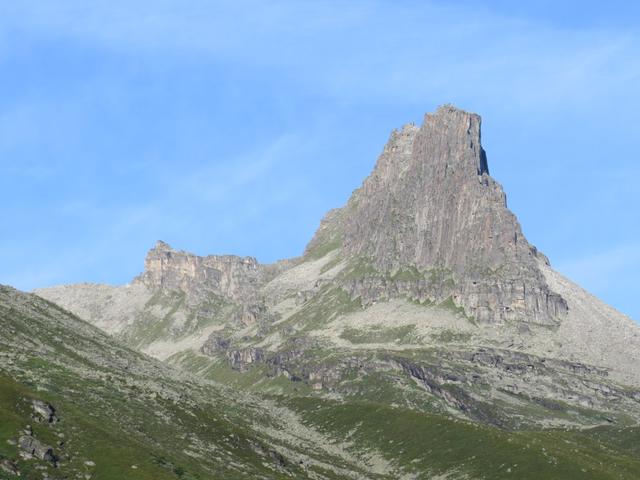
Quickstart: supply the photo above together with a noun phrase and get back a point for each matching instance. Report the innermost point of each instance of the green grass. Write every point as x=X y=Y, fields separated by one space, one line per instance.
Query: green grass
x=148 y=327
x=322 y=249
x=451 y=336
x=449 y=304
x=421 y=442
x=359 y=268
x=380 y=334
x=407 y=274
x=331 y=263
x=329 y=303
x=85 y=438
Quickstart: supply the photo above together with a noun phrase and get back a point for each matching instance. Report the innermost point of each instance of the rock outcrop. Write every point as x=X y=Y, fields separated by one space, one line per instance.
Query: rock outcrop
x=33 y=448
x=230 y=276
x=43 y=412
x=9 y=467
x=227 y=275
x=431 y=205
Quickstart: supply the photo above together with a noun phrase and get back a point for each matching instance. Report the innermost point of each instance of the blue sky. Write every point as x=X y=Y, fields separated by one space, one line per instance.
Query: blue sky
x=232 y=127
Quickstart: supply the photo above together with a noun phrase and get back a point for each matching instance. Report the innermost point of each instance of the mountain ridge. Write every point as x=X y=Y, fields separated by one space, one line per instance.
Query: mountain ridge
x=425 y=257
x=430 y=203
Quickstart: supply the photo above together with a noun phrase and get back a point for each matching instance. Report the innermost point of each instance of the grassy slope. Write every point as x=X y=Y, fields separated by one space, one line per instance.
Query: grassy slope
x=86 y=439
x=423 y=442
x=375 y=416
x=119 y=408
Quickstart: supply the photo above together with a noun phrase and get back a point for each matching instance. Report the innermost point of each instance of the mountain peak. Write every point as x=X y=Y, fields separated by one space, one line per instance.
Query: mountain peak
x=430 y=204
x=450 y=109
x=447 y=144
x=460 y=129
x=162 y=246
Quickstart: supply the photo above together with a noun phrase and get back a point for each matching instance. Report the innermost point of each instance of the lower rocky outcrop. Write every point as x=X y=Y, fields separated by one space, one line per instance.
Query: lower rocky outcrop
x=32 y=448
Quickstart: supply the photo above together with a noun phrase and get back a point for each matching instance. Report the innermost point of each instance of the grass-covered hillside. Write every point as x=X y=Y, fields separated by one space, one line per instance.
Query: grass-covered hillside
x=76 y=404
x=119 y=414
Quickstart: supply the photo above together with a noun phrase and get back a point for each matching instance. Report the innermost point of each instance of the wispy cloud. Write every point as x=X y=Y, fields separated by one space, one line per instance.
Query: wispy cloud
x=225 y=178
x=397 y=52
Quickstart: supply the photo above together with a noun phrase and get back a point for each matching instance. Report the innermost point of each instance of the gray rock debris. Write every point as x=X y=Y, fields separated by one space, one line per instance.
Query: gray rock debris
x=239 y=359
x=33 y=448
x=9 y=467
x=43 y=411
x=215 y=344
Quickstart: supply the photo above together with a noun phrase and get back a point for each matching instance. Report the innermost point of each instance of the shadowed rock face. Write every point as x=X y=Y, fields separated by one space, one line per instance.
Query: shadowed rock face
x=431 y=204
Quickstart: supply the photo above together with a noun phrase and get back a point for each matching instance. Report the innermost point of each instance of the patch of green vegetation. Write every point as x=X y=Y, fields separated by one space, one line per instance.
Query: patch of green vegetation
x=321 y=249
x=451 y=336
x=359 y=268
x=485 y=271
x=626 y=440
x=211 y=310
x=363 y=267
x=258 y=377
x=149 y=327
x=422 y=303
x=388 y=388
x=381 y=334
x=407 y=274
x=87 y=438
x=420 y=442
x=439 y=276
x=529 y=411
x=328 y=304
x=331 y=263
x=449 y=304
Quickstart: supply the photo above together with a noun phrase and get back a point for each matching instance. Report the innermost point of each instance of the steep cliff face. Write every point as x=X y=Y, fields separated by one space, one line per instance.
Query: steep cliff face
x=431 y=205
x=227 y=275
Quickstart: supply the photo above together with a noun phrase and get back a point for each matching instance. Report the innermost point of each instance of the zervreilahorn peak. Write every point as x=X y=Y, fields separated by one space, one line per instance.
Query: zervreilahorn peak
x=430 y=204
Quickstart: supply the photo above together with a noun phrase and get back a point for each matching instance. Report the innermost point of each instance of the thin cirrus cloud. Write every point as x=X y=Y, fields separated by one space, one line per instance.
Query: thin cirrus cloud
x=402 y=51
x=240 y=174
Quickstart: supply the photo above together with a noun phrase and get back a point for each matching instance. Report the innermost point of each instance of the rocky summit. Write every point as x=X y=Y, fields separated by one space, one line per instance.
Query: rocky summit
x=430 y=205
x=420 y=335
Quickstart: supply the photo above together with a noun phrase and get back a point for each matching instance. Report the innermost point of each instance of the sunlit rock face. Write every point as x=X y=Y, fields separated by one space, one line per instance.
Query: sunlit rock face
x=227 y=275
x=430 y=204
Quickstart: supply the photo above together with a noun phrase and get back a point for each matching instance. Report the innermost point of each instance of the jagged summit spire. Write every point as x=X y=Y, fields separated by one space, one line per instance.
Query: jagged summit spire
x=163 y=246
x=448 y=128
x=430 y=204
x=450 y=109
x=458 y=126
